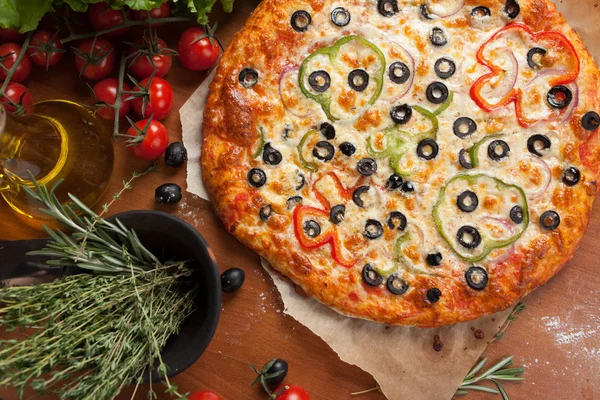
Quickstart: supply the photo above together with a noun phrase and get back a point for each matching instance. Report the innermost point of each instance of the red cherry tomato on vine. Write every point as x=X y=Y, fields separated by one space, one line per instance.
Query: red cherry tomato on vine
x=293 y=393
x=11 y=35
x=163 y=11
x=95 y=60
x=18 y=94
x=155 y=139
x=102 y=17
x=162 y=59
x=106 y=91
x=45 y=49
x=197 y=53
x=158 y=101
x=10 y=52
x=205 y=395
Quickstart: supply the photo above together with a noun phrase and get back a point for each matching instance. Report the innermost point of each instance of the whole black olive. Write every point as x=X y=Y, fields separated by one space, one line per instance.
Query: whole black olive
x=401 y=114
x=323 y=151
x=438 y=37
x=394 y=182
x=467 y=201
x=300 y=21
x=396 y=285
x=433 y=295
x=559 y=96
x=516 y=214
x=571 y=176
x=358 y=80
x=444 y=68
x=437 y=92
x=477 y=278
x=468 y=237
x=398 y=72
x=312 y=228
x=232 y=280
x=590 y=121
x=498 y=149
x=370 y=276
x=337 y=213
x=276 y=372
x=512 y=8
x=366 y=166
x=265 y=212
x=357 y=195
x=347 y=149
x=537 y=143
x=256 y=177
x=387 y=8
x=532 y=57
x=327 y=130
x=463 y=127
x=175 y=155
x=434 y=259
x=340 y=16
x=270 y=155
x=169 y=193
x=248 y=77
x=427 y=149
x=396 y=220
x=373 y=229
x=320 y=81
x=550 y=220
x=464 y=159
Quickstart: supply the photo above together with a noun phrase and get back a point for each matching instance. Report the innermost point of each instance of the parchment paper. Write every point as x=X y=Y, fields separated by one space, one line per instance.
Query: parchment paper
x=401 y=359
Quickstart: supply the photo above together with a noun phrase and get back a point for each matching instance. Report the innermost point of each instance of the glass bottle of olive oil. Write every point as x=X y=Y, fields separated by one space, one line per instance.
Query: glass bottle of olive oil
x=59 y=140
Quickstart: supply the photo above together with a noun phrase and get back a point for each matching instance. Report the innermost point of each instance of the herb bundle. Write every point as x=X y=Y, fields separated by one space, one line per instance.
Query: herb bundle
x=89 y=335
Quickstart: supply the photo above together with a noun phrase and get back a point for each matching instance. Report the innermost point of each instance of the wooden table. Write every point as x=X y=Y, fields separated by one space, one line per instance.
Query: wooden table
x=557 y=337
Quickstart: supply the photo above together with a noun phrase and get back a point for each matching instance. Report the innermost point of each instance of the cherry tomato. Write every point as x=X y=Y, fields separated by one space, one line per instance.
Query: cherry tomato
x=10 y=52
x=158 y=101
x=205 y=395
x=293 y=393
x=45 y=49
x=18 y=94
x=106 y=91
x=102 y=16
x=163 y=11
x=155 y=140
x=162 y=59
x=197 y=54
x=12 y=35
x=95 y=60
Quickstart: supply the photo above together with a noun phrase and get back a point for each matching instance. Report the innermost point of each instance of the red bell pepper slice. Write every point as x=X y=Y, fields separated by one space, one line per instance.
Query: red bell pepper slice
x=346 y=194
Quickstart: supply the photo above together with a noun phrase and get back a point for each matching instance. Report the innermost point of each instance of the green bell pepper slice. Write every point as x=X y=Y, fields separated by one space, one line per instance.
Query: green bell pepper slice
x=488 y=244
x=473 y=151
x=261 y=144
x=311 y=166
x=324 y=99
x=444 y=106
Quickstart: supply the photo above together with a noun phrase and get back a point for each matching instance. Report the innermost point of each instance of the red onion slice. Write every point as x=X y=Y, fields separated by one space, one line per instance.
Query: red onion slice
x=406 y=85
x=504 y=255
x=444 y=8
x=306 y=106
x=566 y=113
x=547 y=177
x=506 y=224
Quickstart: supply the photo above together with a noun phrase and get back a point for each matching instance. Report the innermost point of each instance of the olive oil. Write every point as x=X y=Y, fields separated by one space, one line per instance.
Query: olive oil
x=61 y=140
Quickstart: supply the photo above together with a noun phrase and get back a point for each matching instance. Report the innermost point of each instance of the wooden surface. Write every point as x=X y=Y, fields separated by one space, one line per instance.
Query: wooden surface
x=557 y=337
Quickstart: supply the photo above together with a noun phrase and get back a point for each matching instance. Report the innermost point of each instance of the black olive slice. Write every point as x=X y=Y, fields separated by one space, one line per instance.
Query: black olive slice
x=463 y=127
x=516 y=214
x=590 y=121
x=427 y=149
x=433 y=295
x=532 y=55
x=559 y=96
x=401 y=114
x=467 y=201
x=437 y=92
x=550 y=220
x=340 y=16
x=370 y=276
x=396 y=285
x=366 y=166
x=256 y=177
x=468 y=237
x=265 y=213
x=387 y=8
x=248 y=77
x=347 y=149
x=464 y=159
x=537 y=143
x=512 y=9
x=323 y=151
x=407 y=187
x=571 y=176
x=480 y=12
x=425 y=11
x=358 y=80
x=302 y=180
x=312 y=228
x=477 y=278
x=394 y=182
x=320 y=81
x=293 y=202
x=270 y=155
x=434 y=259
x=444 y=67
x=396 y=220
x=438 y=37
x=398 y=72
x=373 y=229
x=337 y=213
x=358 y=192
x=327 y=130
x=300 y=21
x=498 y=149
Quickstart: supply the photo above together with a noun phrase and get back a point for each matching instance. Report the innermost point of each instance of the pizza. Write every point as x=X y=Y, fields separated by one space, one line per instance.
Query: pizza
x=410 y=162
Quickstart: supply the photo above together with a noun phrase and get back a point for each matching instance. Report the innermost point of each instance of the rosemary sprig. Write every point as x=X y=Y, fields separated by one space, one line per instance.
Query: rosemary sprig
x=513 y=316
x=495 y=374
